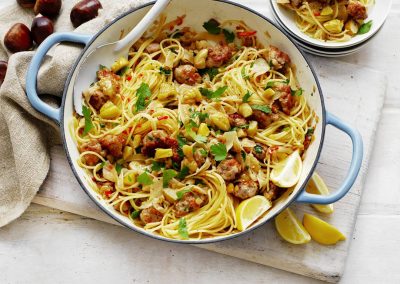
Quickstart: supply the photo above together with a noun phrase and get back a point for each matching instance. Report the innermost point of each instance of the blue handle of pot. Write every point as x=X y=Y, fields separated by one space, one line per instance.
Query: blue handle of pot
x=354 y=169
x=31 y=77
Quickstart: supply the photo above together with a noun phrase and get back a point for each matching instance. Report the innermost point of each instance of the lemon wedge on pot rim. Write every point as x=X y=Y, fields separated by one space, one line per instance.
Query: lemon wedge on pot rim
x=250 y=210
x=287 y=173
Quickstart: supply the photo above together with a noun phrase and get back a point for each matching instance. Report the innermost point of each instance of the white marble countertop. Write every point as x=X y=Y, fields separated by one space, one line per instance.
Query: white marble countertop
x=47 y=245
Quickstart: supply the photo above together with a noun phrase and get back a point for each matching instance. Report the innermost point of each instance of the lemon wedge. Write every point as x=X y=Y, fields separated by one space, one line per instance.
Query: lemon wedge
x=250 y=210
x=318 y=186
x=321 y=231
x=287 y=173
x=290 y=228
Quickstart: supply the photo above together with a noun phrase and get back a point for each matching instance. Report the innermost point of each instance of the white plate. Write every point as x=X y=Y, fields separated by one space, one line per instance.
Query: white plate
x=377 y=13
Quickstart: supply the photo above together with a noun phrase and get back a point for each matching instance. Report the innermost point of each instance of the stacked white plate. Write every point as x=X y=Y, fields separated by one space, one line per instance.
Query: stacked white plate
x=286 y=19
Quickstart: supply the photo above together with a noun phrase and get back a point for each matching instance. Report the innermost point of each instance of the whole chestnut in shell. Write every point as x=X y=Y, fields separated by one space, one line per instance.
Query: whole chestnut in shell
x=49 y=8
x=26 y=3
x=84 y=11
x=41 y=28
x=3 y=70
x=18 y=38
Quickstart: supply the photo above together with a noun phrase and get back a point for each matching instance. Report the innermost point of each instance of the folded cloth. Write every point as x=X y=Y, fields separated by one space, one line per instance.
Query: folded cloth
x=25 y=135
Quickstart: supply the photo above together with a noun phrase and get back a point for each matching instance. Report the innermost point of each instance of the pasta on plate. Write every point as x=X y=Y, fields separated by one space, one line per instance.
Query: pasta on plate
x=191 y=124
x=330 y=20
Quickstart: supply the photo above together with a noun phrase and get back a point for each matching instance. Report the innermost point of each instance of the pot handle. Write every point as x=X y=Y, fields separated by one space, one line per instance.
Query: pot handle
x=31 y=77
x=354 y=169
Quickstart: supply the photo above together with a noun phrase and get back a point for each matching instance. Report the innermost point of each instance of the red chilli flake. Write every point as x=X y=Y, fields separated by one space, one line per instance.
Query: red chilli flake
x=317 y=13
x=246 y=34
x=128 y=78
x=163 y=117
x=108 y=193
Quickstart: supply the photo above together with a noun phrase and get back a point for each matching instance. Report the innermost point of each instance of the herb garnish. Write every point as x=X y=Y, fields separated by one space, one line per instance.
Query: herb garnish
x=182 y=228
x=88 y=120
x=213 y=94
x=142 y=93
x=366 y=27
x=145 y=179
x=219 y=151
x=262 y=108
x=167 y=176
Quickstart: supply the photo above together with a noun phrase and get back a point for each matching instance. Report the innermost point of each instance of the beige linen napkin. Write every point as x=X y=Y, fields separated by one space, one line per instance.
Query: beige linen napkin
x=25 y=134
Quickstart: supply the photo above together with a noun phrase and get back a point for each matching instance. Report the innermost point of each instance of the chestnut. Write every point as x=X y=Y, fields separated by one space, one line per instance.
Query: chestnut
x=84 y=11
x=3 y=70
x=49 y=8
x=26 y=3
x=18 y=38
x=41 y=28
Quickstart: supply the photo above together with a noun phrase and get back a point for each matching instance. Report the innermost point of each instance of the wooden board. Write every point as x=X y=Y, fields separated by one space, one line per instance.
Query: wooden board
x=348 y=96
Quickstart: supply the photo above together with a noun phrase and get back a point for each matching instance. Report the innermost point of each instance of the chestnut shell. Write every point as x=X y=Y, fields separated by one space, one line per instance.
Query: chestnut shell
x=26 y=3
x=49 y=8
x=18 y=38
x=84 y=11
x=41 y=28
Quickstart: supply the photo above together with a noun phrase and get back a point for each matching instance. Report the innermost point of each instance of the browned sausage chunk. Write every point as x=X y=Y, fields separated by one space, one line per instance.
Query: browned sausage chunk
x=150 y=215
x=218 y=55
x=98 y=99
x=159 y=139
x=109 y=81
x=229 y=169
x=94 y=146
x=264 y=119
x=153 y=47
x=286 y=100
x=189 y=202
x=237 y=120
x=114 y=144
x=278 y=58
x=357 y=11
x=187 y=74
x=260 y=152
x=274 y=192
x=246 y=189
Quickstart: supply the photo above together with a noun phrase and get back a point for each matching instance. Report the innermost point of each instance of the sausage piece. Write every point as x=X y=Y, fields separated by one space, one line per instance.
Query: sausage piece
x=187 y=74
x=218 y=55
x=229 y=169
x=264 y=119
x=150 y=215
x=94 y=146
x=274 y=192
x=114 y=144
x=357 y=11
x=278 y=58
x=97 y=99
x=246 y=189
x=237 y=120
x=260 y=151
x=159 y=139
x=188 y=203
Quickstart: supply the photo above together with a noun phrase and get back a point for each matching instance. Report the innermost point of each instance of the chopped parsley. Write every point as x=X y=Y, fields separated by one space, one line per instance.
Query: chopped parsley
x=265 y=109
x=229 y=36
x=212 y=27
x=183 y=173
x=157 y=166
x=243 y=153
x=88 y=120
x=246 y=97
x=213 y=94
x=135 y=214
x=219 y=151
x=181 y=193
x=366 y=27
x=181 y=141
x=118 y=168
x=101 y=67
x=167 y=176
x=297 y=92
x=212 y=72
x=182 y=228
x=258 y=149
x=145 y=179
x=142 y=94
x=310 y=131
x=123 y=71
x=244 y=75
x=165 y=71
x=270 y=84
x=203 y=153
x=202 y=116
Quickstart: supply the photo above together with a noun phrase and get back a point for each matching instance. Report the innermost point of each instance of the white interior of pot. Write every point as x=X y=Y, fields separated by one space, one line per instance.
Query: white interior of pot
x=197 y=12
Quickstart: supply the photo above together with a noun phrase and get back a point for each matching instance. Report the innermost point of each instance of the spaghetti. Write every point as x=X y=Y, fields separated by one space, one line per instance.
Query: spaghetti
x=190 y=124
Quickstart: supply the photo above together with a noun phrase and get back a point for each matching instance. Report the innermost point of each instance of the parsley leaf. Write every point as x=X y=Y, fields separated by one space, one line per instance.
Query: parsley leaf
x=270 y=84
x=118 y=168
x=183 y=173
x=297 y=93
x=365 y=28
x=258 y=149
x=219 y=151
x=212 y=27
x=212 y=72
x=167 y=176
x=243 y=153
x=265 y=109
x=229 y=36
x=145 y=179
x=135 y=214
x=142 y=93
x=88 y=120
x=310 y=131
x=246 y=97
x=123 y=71
x=213 y=94
x=202 y=116
x=181 y=141
x=244 y=75
x=157 y=166
x=203 y=153
x=182 y=228
x=177 y=35
x=165 y=71
x=181 y=193
x=101 y=67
